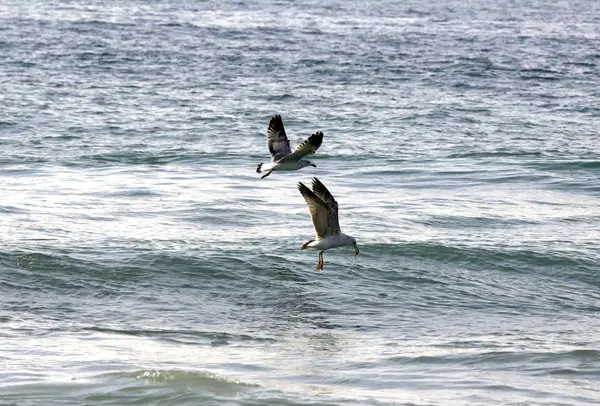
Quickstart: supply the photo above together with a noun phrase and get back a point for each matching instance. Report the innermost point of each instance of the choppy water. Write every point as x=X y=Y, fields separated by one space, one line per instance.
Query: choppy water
x=142 y=260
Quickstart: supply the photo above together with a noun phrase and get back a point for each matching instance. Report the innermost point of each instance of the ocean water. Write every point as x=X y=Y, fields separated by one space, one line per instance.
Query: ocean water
x=143 y=261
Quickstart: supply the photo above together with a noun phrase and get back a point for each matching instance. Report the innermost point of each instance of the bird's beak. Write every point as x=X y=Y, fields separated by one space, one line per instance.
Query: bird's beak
x=314 y=165
x=356 y=250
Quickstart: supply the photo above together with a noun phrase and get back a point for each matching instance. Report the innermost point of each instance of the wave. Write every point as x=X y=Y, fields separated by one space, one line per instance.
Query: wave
x=130 y=261
x=12 y=210
x=566 y=165
x=147 y=386
x=574 y=362
x=496 y=154
x=181 y=377
x=567 y=264
x=103 y=272
x=216 y=338
x=140 y=158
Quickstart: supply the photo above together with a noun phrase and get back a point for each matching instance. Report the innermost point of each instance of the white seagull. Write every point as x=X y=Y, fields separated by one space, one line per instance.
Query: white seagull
x=282 y=157
x=324 y=213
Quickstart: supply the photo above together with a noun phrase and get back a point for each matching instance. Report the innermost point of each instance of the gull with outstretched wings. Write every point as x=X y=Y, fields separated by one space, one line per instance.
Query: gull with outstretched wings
x=324 y=213
x=282 y=157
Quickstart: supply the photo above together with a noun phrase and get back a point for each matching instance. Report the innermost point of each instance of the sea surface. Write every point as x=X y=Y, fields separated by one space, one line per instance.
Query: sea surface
x=144 y=262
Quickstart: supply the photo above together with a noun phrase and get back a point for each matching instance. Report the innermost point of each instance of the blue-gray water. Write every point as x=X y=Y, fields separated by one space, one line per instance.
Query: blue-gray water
x=143 y=261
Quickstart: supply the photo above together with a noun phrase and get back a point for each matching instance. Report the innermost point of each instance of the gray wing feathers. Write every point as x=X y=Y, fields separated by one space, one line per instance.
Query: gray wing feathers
x=277 y=140
x=308 y=147
x=321 y=191
x=322 y=207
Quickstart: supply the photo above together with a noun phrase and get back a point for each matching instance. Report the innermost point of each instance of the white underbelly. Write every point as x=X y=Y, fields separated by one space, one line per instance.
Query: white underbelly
x=287 y=166
x=327 y=243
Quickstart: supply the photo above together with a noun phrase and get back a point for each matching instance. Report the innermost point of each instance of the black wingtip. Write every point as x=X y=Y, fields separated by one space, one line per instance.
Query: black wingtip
x=276 y=122
x=301 y=186
x=316 y=183
x=321 y=190
x=316 y=139
x=304 y=190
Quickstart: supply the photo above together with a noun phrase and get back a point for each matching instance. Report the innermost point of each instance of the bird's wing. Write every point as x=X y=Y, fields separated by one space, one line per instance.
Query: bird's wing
x=321 y=191
x=308 y=147
x=277 y=140
x=323 y=213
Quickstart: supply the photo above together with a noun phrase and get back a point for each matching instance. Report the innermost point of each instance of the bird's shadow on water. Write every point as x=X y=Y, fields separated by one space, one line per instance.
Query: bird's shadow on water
x=290 y=297
x=306 y=312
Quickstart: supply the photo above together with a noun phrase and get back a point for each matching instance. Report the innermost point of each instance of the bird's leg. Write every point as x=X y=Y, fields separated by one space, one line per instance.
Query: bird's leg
x=266 y=174
x=320 y=264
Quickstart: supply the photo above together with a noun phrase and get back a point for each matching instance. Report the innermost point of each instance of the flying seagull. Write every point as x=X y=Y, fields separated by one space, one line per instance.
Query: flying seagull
x=282 y=157
x=324 y=213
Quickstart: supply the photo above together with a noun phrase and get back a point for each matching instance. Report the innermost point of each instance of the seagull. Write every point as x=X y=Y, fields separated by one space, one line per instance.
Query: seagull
x=282 y=157
x=324 y=213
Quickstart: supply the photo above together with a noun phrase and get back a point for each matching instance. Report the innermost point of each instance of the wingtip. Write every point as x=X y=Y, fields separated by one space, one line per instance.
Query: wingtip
x=320 y=189
x=304 y=190
x=276 y=123
x=316 y=139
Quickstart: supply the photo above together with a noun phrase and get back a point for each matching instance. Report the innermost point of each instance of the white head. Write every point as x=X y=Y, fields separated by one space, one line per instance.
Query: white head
x=349 y=240
x=303 y=163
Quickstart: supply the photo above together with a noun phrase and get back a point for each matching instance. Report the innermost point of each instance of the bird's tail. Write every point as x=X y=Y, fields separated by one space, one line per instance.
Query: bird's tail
x=305 y=246
x=258 y=168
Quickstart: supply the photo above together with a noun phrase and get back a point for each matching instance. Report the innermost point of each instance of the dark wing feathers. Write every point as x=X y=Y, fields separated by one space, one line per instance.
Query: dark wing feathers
x=308 y=147
x=320 y=190
x=279 y=144
x=323 y=208
x=318 y=211
x=277 y=140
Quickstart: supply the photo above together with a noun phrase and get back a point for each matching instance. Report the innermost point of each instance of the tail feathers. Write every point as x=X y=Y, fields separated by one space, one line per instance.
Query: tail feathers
x=305 y=246
x=258 y=168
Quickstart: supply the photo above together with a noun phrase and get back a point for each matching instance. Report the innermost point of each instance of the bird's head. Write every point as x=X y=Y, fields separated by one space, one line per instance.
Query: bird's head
x=307 y=163
x=352 y=240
